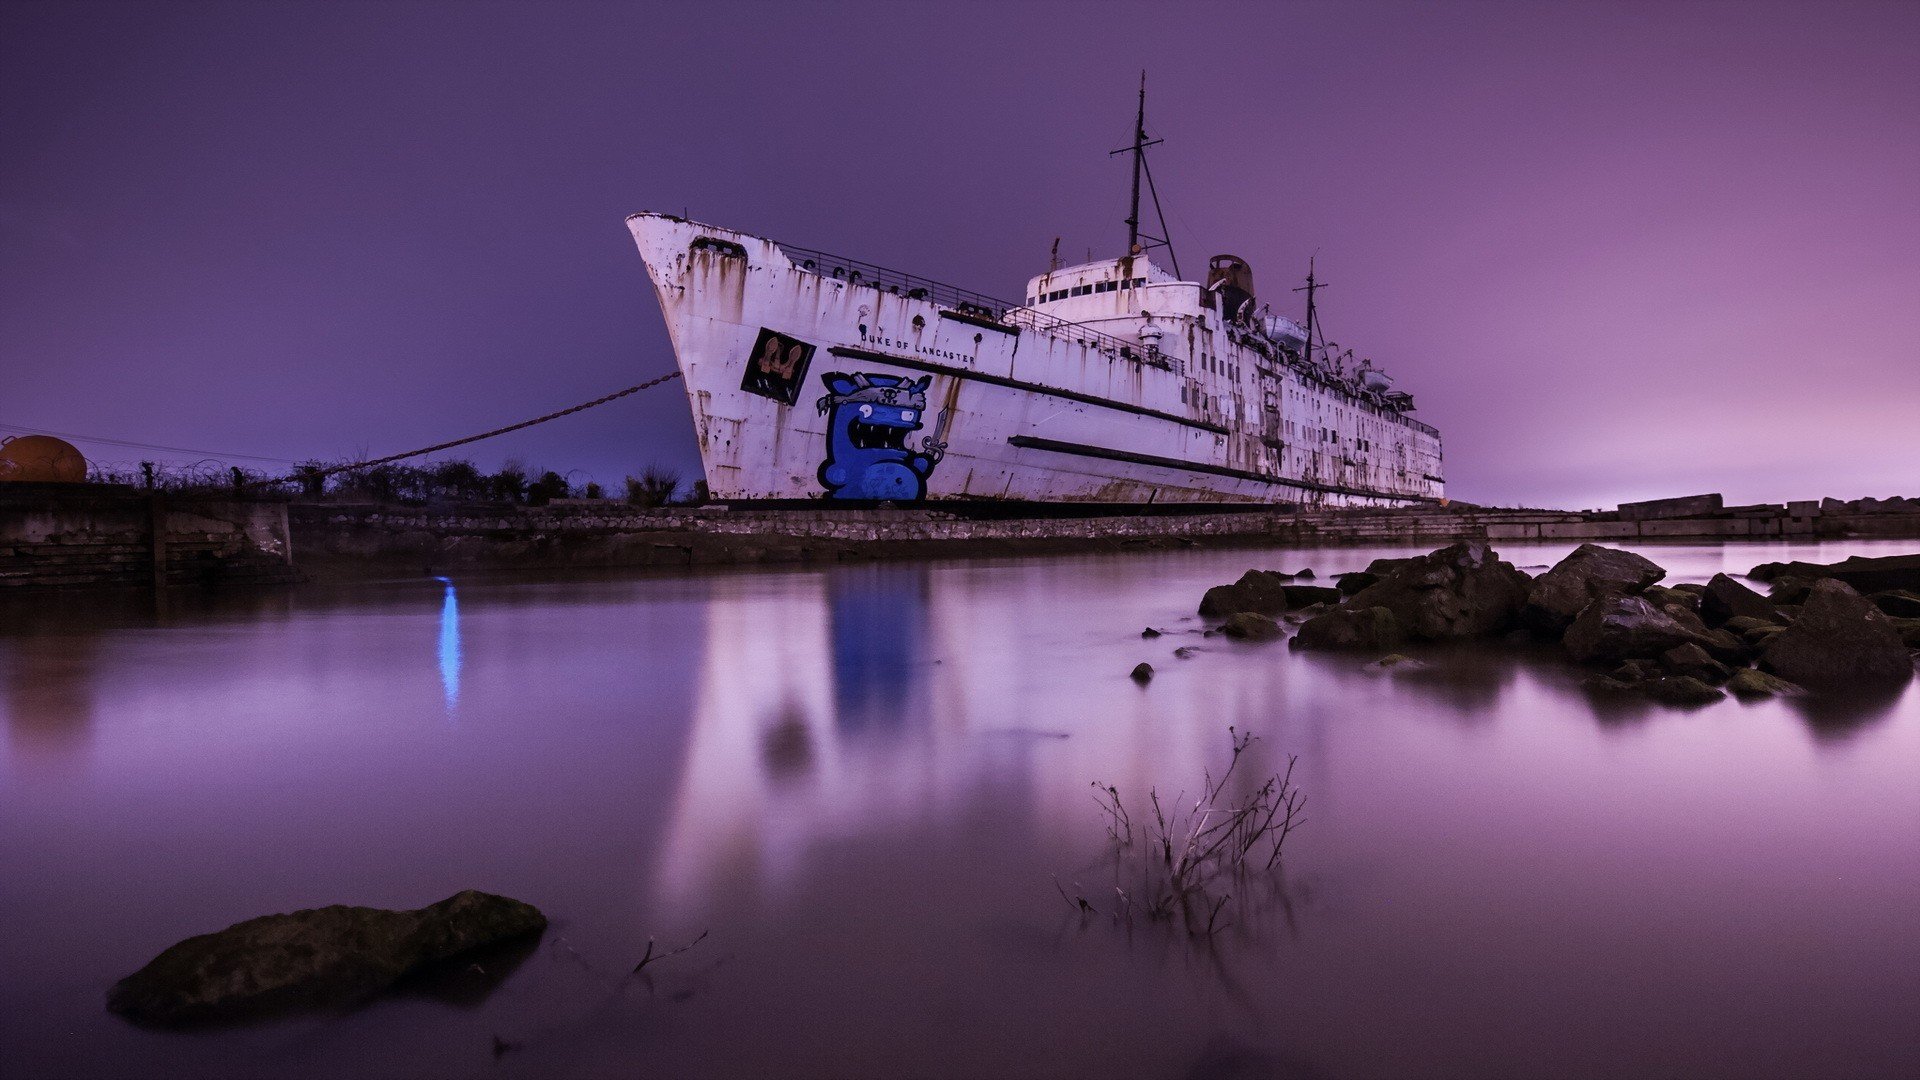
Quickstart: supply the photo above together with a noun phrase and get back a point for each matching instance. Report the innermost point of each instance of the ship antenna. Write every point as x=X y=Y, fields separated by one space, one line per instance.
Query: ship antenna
x=1312 y=286
x=1140 y=167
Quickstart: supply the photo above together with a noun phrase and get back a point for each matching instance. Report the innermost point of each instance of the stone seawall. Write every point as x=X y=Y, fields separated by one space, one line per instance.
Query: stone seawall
x=342 y=539
x=337 y=540
x=101 y=535
x=97 y=535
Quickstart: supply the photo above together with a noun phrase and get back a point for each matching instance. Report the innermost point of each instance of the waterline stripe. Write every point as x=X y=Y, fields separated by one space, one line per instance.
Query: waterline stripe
x=1031 y=442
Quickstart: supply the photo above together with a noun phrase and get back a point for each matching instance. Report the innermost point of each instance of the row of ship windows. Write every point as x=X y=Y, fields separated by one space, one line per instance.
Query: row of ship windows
x=1212 y=363
x=1204 y=400
x=1365 y=422
x=1327 y=435
x=1083 y=290
x=1324 y=435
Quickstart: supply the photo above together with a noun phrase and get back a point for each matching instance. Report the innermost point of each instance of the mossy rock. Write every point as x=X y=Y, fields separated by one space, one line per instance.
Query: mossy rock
x=312 y=958
x=1251 y=626
x=1752 y=683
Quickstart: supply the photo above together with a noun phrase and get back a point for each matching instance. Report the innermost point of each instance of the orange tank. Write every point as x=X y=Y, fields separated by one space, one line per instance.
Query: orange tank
x=41 y=459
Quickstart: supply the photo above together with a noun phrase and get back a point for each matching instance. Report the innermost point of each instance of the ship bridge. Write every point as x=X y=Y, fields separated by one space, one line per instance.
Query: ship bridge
x=1131 y=298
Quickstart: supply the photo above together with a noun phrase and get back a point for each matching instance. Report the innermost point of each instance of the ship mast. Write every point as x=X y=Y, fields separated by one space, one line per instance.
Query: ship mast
x=1312 y=286
x=1140 y=168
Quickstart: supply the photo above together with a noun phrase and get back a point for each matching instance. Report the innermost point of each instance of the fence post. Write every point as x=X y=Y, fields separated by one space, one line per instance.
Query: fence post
x=157 y=515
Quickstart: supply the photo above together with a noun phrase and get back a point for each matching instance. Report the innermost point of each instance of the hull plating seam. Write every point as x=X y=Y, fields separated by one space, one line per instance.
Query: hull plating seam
x=1016 y=384
x=1030 y=442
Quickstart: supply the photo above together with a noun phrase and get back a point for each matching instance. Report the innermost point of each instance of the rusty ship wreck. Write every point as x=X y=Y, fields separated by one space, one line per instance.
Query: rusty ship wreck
x=1116 y=381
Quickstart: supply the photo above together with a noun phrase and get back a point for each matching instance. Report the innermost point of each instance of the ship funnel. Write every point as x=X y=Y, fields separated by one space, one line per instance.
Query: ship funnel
x=1234 y=278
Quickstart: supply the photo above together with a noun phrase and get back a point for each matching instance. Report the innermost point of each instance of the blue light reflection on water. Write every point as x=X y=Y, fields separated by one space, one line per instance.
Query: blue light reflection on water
x=450 y=644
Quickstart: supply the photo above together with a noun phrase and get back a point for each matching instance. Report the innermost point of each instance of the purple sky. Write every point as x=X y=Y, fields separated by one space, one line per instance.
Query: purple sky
x=1615 y=251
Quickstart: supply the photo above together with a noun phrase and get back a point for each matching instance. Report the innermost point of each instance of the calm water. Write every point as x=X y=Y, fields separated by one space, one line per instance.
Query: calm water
x=864 y=780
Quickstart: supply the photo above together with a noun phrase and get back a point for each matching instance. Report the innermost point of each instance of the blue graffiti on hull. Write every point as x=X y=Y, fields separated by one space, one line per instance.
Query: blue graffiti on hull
x=869 y=419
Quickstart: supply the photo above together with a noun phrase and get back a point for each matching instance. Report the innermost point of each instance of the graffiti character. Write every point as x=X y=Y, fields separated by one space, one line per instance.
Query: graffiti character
x=868 y=420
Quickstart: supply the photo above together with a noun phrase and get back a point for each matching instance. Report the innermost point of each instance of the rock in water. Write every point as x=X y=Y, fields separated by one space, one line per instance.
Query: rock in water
x=1250 y=626
x=1864 y=574
x=1680 y=690
x=1727 y=599
x=1613 y=629
x=1745 y=626
x=1637 y=671
x=1899 y=603
x=316 y=957
x=1664 y=597
x=1607 y=684
x=1299 y=596
x=1752 y=683
x=1349 y=584
x=1692 y=660
x=1260 y=591
x=1459 y=591
x=1790 y=589
x=1142 y=673
x=1574 y=582
x=1839 y=640
x=1373 y=629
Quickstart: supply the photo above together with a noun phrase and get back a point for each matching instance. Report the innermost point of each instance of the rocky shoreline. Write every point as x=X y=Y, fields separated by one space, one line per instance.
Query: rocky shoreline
x=1820 y=629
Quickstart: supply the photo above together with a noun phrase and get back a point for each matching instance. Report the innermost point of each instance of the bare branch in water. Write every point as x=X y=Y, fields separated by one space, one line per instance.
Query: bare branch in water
x=1119 y=825
x=650 y=958
x=1077 y=902
x=1195 y=848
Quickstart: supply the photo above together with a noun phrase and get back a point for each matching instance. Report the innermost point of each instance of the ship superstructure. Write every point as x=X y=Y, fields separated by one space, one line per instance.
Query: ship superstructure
x=1116 y=381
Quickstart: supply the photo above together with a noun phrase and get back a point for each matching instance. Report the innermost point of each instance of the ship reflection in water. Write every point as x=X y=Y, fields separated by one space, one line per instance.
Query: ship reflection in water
x=864 y=780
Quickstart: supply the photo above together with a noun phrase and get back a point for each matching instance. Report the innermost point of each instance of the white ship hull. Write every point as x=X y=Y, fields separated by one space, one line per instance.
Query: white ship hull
x=811 y=379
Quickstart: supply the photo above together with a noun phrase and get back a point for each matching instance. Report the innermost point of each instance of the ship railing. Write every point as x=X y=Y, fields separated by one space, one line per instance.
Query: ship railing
x=896 y=282
x=1054 y=326
x=912 y=287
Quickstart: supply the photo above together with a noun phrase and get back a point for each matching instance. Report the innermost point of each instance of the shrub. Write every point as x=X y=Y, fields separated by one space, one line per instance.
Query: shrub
x=312 y=481
x=653 y=487
x=549 y=487
x=458 y=480
x=509 y=484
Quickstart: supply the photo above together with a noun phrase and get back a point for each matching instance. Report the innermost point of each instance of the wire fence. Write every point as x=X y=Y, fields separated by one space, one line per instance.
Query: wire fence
x=384 y=479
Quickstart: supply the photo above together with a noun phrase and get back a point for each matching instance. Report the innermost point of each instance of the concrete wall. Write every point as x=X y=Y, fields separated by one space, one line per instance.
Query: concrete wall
x=1683 y=507
x=79 y=535
x=337 y=540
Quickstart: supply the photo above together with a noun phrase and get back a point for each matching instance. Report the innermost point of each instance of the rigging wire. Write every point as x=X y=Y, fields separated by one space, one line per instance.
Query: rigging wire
x=313 y=474
x=140 y=445
x=370 y=463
